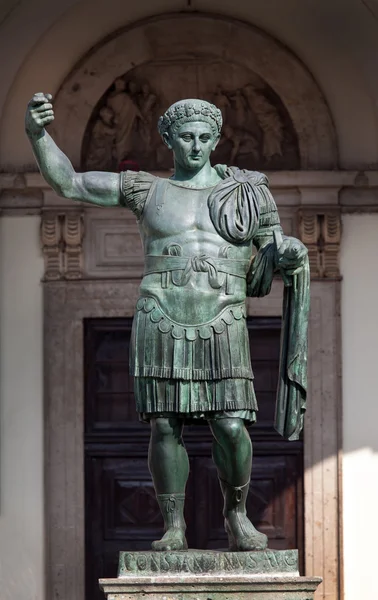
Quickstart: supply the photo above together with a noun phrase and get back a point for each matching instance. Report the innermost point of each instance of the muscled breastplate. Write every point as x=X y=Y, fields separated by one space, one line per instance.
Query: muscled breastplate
x=190 y=269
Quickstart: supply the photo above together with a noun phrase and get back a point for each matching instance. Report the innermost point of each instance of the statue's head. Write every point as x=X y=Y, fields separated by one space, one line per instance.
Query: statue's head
x=119 y=84
x=191 y=129
x=106 y=115
x=132 y=87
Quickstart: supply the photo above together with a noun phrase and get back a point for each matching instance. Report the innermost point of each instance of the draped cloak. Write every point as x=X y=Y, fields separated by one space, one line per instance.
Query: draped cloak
x=242 y=210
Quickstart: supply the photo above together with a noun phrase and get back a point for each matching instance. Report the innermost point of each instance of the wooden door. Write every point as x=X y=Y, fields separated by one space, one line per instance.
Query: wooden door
x=121 y=510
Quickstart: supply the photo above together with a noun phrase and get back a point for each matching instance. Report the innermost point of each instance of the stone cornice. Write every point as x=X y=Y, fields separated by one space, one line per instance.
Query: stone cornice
x=351 y=191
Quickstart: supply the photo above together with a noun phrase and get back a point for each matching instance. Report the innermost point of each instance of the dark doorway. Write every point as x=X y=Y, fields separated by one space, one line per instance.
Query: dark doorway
x=121 y=512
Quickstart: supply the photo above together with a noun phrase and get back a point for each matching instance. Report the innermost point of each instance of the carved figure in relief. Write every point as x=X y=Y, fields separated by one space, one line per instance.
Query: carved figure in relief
x=147 y=102
x=255 y=128
x=242 y=142
x=240 y=109
x=102 y=143
x=269 y=121
x=222 y=102
x=126 y=112
x=190 y=349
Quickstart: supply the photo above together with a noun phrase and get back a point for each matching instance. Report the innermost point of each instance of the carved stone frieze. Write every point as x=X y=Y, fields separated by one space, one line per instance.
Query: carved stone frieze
x=122 y=133
x=320 y=230
x=61 y=241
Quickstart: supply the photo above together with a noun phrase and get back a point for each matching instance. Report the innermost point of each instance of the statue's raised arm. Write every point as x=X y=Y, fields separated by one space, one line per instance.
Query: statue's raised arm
x=95 y=186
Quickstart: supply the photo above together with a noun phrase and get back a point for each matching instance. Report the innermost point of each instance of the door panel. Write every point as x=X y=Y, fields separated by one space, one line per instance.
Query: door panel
x=121 y=509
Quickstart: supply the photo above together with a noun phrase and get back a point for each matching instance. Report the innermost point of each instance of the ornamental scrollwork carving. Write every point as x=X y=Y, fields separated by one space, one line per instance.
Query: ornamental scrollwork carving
x=61 y=241
x=320 y=230
x=51 y=241
x=73 y=232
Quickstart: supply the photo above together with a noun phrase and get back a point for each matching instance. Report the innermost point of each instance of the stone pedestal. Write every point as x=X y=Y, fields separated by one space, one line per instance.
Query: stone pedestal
x=209 y=575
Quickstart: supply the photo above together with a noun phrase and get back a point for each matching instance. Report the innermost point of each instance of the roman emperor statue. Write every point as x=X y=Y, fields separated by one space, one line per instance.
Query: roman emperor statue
x=211 y=237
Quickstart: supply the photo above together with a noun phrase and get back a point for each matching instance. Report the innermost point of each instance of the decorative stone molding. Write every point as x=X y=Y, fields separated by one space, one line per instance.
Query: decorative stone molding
x=73 y=232
x=51 y=241
x=320 y=230
x=112 y=246
x=61 y=240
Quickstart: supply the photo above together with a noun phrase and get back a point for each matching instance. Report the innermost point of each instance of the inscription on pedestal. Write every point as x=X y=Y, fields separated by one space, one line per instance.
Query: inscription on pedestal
x=203 y=562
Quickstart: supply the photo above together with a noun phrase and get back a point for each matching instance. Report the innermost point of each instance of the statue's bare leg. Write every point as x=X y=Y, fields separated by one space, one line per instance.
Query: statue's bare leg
x=169 y=466
x=232 y=454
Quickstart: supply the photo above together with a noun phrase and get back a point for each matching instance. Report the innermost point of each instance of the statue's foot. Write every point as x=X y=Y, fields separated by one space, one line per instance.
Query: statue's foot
x=242 y=535
x=173 y=539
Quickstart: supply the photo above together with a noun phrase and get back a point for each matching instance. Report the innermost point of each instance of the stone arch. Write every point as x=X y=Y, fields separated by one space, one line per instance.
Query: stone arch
x=184 y=40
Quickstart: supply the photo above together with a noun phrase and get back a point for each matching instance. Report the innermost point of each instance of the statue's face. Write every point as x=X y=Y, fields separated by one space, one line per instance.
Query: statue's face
x=119 y=84
x=106 y=115
x=192 y=144
x=132 y=87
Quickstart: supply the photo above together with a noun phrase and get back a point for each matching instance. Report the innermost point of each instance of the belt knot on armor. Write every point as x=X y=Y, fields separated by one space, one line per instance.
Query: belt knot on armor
x=178 y=269
x=201 y=264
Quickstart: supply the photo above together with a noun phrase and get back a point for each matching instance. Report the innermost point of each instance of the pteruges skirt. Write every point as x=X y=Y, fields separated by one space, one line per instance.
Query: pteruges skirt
x=196 y=372
x=193 y=400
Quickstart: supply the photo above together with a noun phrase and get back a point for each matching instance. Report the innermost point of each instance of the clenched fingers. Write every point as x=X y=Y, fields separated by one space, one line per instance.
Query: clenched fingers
x=39 y=99
x=42 y=107
x=49 y=114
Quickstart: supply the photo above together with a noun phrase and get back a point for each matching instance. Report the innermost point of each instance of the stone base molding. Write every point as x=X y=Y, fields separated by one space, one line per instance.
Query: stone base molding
x=211 y=588
x=209 y=575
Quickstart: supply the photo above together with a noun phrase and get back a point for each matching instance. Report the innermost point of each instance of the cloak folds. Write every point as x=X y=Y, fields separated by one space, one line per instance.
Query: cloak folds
x=234 y=204
x=292 y=383
x=234 y=208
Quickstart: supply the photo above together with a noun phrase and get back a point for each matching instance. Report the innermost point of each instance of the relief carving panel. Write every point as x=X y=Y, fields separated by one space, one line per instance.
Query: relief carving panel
x=112 y=246
x=122 y=131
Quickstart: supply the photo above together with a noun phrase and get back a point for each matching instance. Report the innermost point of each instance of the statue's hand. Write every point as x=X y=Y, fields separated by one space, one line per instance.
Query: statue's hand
x=39 y=113
x=290 y=255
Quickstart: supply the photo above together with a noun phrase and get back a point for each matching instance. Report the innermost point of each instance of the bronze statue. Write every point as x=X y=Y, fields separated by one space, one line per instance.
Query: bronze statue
x=190 y=355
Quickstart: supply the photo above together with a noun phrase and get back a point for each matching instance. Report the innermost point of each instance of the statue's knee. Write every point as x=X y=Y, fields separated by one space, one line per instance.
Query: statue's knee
x=230 y=431
x=164 y=428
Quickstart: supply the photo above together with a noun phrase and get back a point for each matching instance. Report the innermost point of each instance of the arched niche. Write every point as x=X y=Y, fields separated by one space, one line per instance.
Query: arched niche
x=288 y=124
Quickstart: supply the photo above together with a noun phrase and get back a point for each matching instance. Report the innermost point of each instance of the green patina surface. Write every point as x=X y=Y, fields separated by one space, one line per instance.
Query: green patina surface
x=207 y=562
x=190 y=350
